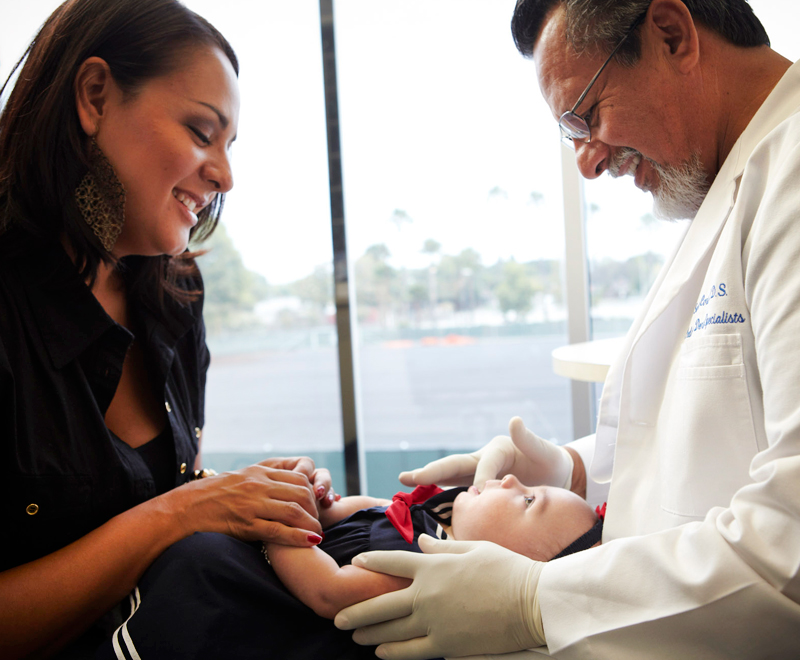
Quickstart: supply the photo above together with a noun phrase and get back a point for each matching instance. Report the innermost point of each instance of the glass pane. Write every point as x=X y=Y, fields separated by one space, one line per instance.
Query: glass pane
x=18 y=28
x=626 y=247
x=273 y=386
x=780 y=17
x=453 y=202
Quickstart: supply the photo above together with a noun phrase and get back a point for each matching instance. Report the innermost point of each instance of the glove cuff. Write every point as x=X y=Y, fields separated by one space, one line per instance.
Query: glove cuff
x=532 y=612
x=570 y=468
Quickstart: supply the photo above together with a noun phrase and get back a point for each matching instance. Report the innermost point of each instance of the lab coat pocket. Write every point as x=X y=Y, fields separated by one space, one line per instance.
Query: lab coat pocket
x=707 y=438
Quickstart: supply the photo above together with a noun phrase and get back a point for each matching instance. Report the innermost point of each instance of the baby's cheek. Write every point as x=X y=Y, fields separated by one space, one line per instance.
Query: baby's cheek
x=467 y=528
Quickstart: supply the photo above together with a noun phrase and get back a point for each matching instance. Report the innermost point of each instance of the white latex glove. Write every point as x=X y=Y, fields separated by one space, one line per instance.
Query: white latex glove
x=533 y=460
x=467 y=598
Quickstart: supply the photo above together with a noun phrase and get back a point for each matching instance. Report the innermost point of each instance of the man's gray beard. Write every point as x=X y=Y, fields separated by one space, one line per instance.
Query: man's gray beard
x=681 y=190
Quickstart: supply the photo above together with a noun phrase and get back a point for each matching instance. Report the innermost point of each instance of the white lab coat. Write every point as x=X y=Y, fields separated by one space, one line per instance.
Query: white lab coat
x=699 y=433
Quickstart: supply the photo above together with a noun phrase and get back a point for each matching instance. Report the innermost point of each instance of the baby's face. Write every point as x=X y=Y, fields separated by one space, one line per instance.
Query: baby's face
x=538 y=522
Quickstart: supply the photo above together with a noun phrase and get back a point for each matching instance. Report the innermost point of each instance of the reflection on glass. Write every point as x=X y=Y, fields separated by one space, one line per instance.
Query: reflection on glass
x=453 y=205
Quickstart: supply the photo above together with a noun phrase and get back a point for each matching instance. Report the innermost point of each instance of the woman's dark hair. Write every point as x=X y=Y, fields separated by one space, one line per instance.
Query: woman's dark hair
x=43 y=154
x=603 y=23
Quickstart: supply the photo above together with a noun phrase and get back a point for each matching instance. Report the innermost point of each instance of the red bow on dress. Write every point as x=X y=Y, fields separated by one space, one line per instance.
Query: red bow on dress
x=601 y=511
x=398 y=511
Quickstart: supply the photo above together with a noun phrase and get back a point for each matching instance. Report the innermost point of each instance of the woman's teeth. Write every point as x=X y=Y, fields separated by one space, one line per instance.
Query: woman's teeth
x=188 y=202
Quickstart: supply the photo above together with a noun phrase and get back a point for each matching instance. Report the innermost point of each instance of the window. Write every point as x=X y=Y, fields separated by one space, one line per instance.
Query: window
x=455 y=219
x=451 y=170
x=273 y=385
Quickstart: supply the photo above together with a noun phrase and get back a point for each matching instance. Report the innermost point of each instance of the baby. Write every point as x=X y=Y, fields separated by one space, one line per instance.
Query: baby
x=539 y=522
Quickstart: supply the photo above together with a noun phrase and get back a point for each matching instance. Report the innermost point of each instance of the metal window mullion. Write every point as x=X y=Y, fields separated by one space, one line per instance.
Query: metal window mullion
x=577 y=284
x=344 y=283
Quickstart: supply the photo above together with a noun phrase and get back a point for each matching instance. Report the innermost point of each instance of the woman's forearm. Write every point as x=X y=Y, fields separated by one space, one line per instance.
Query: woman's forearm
x=48 y=602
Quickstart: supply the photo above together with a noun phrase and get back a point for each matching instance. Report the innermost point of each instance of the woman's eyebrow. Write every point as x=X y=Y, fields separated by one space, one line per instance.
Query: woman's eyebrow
x=222 y=118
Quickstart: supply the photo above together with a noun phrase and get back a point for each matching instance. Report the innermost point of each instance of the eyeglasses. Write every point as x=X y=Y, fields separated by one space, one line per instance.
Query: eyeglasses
x=573 y=126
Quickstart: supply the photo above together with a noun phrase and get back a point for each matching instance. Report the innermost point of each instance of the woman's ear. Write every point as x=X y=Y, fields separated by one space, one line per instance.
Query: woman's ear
x=94 y=86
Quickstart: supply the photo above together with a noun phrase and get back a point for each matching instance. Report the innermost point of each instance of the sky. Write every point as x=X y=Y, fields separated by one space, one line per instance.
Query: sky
x=441 y=119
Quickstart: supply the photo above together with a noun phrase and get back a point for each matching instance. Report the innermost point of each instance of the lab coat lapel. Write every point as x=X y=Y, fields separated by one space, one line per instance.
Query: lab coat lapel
x=666 y=311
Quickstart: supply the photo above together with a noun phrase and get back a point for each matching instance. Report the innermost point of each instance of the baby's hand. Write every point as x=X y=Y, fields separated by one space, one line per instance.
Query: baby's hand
x=326 y=500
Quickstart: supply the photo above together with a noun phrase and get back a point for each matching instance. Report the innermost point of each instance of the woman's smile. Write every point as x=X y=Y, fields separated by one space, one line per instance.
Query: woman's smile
x=188 y=204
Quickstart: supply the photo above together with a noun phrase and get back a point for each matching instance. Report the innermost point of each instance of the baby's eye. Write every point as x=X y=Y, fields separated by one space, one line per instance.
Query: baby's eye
x=529 y=499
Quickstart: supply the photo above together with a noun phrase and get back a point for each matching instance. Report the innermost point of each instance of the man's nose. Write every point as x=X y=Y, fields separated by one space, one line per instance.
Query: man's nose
x=593 y=158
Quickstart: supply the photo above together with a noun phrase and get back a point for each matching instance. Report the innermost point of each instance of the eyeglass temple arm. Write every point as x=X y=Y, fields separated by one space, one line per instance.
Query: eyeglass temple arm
x=605 y=64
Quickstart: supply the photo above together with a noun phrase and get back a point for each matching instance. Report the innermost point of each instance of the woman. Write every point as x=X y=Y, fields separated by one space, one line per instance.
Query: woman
x=114 y=151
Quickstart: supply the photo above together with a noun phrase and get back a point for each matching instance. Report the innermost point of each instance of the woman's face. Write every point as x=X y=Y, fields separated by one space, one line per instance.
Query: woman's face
x=170 y=146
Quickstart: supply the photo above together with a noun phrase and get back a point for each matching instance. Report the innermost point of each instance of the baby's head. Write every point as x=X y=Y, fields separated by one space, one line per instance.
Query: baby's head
x=537 y=522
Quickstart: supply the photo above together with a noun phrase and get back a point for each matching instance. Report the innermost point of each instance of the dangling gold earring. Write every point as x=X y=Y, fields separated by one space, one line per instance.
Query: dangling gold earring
x=101 y=198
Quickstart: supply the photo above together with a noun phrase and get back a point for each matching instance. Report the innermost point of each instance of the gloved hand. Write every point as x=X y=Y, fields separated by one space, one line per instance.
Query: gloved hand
x=533 y=460
x=467 y=598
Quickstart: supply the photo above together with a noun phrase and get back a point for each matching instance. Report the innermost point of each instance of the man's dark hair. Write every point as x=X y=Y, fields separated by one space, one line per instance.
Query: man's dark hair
x=603 y=23
x=43 y=154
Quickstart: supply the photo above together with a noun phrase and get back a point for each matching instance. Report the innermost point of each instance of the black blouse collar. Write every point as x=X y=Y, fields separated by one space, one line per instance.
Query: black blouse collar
x=70 y=319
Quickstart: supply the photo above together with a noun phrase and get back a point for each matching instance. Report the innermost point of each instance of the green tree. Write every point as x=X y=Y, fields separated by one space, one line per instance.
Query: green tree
x=431 y=247
x=622 y=279
x=231 y=290
x=461 y=279
x=377 y=284
x=649 y=221
x=516 y=289
x=316 y=288
x=497 y=193
x=399 y=218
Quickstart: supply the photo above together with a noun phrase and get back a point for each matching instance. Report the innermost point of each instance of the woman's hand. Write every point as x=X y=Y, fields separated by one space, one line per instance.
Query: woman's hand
x=271 y=501
x=320 y=478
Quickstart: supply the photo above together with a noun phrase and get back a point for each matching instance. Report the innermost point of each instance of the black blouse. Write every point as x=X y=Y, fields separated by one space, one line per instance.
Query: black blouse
x=62 y=473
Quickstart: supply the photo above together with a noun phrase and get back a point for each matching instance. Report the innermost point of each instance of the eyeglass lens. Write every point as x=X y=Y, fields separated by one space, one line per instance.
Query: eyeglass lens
x=574 y=126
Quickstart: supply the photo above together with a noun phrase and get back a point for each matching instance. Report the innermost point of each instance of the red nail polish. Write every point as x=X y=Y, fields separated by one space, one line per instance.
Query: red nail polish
x=320 y=491
x=314 y=539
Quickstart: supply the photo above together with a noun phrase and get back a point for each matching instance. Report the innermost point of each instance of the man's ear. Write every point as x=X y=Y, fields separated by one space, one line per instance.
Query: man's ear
x=94 y=86
x=674 y=33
